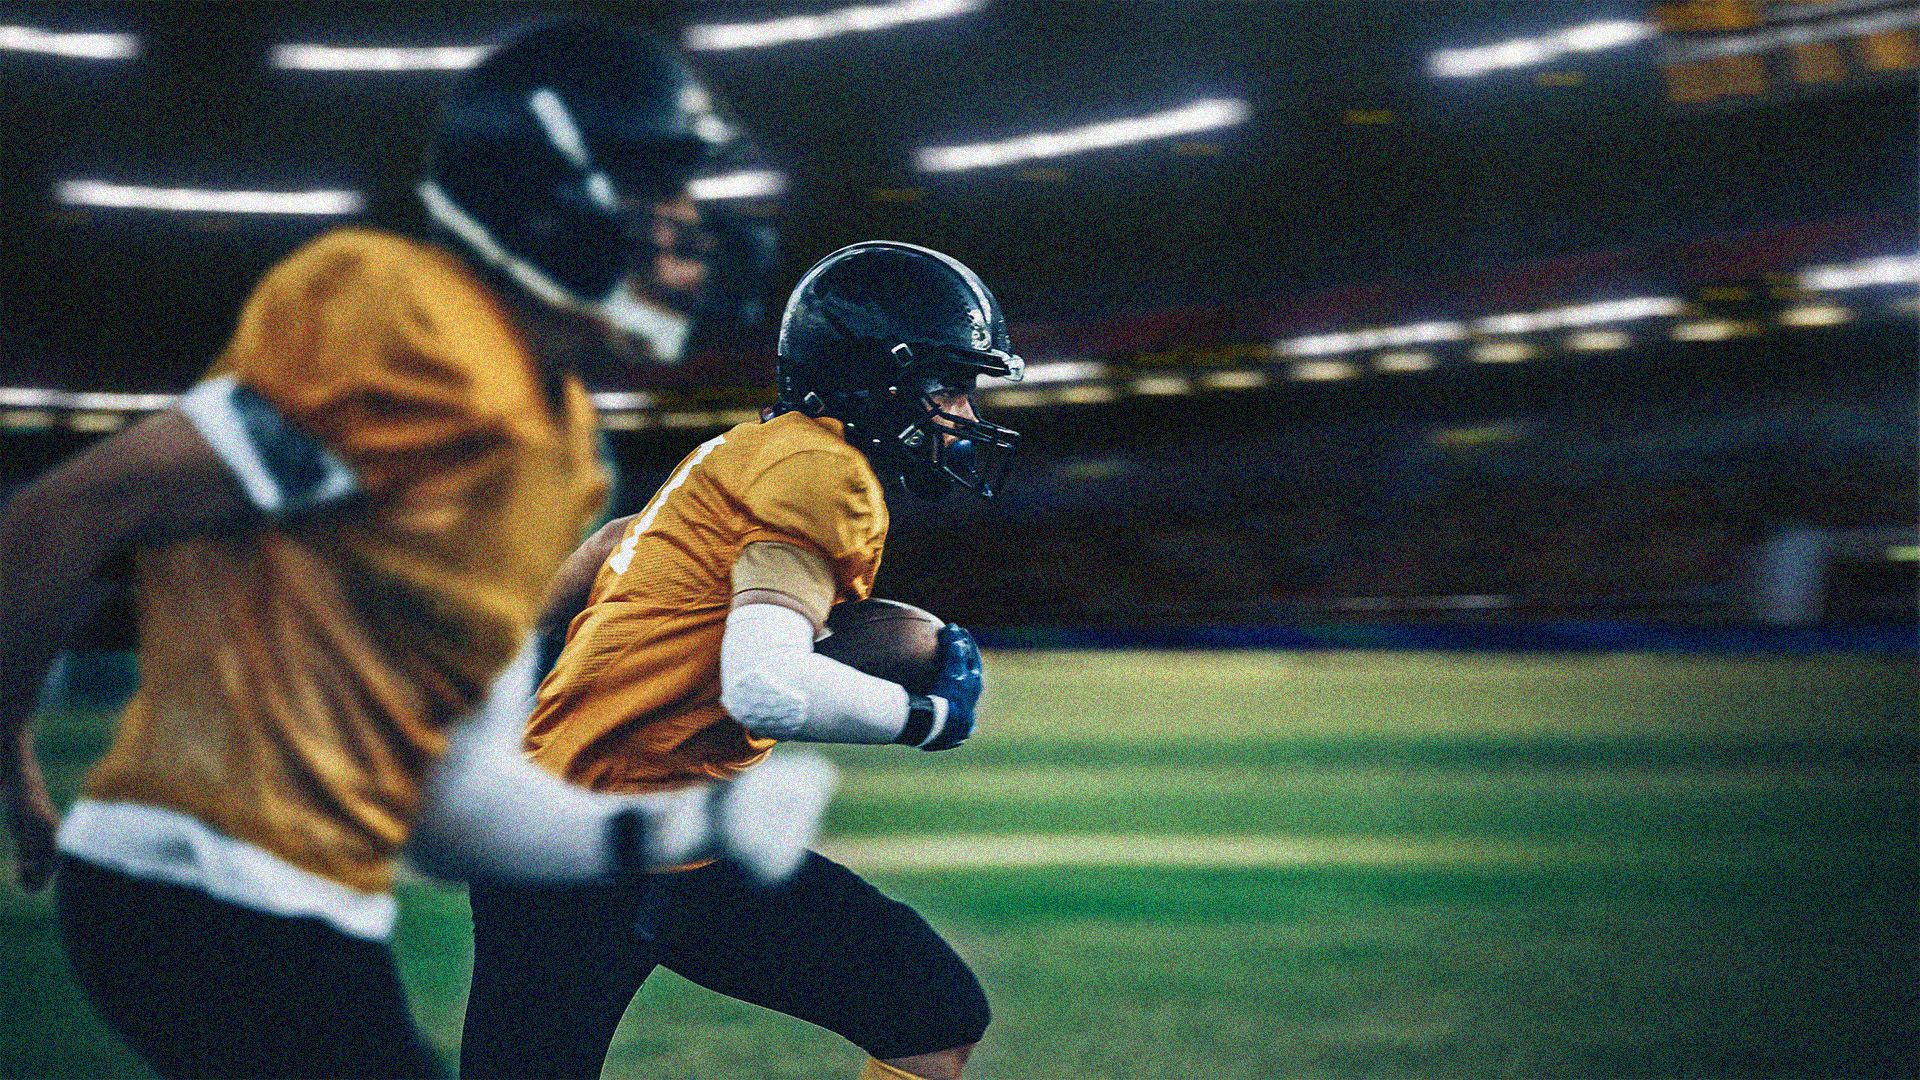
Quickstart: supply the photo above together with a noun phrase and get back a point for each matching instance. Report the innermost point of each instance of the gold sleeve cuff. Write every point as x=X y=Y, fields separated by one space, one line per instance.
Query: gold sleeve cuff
x=798 y=573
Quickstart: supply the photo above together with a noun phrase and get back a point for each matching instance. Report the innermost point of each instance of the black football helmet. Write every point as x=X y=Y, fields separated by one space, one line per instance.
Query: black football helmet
x=550 y=155
x=872 y=334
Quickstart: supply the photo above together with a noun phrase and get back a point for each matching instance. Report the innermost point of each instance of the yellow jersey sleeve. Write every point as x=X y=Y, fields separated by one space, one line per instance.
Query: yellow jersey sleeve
x=384 y=351
x=824 y=501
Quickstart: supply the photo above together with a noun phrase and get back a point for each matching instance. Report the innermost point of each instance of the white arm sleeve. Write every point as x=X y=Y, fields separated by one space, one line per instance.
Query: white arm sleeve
x=491 y=814
x=776 y=686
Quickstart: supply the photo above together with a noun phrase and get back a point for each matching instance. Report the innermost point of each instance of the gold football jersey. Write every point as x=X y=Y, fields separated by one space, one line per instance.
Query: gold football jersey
x=633 y=704
x=296 y=681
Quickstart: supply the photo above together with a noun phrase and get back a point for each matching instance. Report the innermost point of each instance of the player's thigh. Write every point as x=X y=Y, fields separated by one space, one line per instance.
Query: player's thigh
x=200 y=987
x=334 y=1007
x=553 y=970
x=826 y=947
x=146 y=964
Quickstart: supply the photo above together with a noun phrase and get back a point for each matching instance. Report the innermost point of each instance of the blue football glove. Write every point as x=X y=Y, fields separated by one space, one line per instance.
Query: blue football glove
x=959 y=686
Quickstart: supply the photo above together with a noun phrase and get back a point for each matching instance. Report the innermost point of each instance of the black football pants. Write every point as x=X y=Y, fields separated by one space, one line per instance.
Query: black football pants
x=554 y=969
x=202 y=988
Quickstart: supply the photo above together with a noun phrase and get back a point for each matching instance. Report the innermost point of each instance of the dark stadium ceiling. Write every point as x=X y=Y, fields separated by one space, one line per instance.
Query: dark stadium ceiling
x=1355 y=164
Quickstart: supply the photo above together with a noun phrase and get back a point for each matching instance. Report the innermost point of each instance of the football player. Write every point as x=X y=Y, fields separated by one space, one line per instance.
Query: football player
x=694 y=655
x=341 y=536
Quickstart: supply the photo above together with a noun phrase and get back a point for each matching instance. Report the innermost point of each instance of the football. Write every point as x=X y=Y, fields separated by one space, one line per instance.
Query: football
x=886 y=639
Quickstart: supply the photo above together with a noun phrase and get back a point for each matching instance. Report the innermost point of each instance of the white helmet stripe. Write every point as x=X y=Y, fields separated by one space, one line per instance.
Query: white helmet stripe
x=558 y=123
x=666 y=332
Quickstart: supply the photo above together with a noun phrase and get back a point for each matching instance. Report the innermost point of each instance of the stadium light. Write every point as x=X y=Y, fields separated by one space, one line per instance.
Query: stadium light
x=74 y=46
x=1020 y=398
x=621 y=400
x=1162 y=386
x=307 y=56
x=1503 y=352
x=848 y=20
x=1324 y=370
x=1052 y=371
x=1599 y=340
x=1815 y=315
x=1423 y=333
x=1576 y=315
x=1235 y=380
x=1707 y=330
x=1526 y=52
x=1203 y=115
x=100 y=193
x=1091 y=394
x=1404 y=360
x=33 y=397
x=754 y=184
x=1886 y=270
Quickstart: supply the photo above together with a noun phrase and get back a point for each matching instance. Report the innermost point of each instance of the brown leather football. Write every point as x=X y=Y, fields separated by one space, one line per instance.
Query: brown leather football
x=886 y=639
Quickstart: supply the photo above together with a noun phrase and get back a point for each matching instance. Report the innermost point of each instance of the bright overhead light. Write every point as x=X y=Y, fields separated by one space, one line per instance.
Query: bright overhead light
x=1092 y=394
x=1502 y=352
x=313 y=57
x=616 y=399
x=625 y=421
x=1424 y=333
x=1162 y=385
x=75 y=46
x=198 y=201
x=1815 y=315
x=1051 y=371
x=1204 y=115
x=34 y=397
x=847 y=20
x=1599 y=340
x=1324 y=370
x=1020 y=399
x=755 y=184
x=1886 y=270
x=1707 y=330
x=1404 y=361
x=1525 y=52
x=1235 y=380
x=1605 y=311
x=96 y=423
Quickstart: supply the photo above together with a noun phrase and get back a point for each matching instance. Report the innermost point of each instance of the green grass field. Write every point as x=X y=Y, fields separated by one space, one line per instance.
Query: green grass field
x=1254 y=865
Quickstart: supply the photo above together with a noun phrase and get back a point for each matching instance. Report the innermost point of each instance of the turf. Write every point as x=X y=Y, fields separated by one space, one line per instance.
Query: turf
x=1456 y=866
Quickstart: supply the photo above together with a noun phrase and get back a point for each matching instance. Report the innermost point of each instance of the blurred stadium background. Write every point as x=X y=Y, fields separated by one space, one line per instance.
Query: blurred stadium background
x=1457 y=616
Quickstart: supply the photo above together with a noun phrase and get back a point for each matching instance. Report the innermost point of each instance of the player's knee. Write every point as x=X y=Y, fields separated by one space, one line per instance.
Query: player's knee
x=951 y=1017
x=961 y=1021
x=972 y=1016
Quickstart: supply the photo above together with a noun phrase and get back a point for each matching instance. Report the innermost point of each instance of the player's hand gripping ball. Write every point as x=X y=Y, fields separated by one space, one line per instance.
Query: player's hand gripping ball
x=907 y=645
x=960 y=683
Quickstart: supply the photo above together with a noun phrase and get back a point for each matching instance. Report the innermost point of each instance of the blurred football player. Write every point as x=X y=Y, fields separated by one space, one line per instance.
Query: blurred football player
x=694 y=655
x=342 y=536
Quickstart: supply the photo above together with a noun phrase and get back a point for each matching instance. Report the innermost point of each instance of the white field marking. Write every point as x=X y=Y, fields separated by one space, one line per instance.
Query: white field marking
x=1053 y=783
x=1022 y=851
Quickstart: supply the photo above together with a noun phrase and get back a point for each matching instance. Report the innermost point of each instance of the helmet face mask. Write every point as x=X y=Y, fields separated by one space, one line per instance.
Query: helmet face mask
x=890 y=339
x=948 y=450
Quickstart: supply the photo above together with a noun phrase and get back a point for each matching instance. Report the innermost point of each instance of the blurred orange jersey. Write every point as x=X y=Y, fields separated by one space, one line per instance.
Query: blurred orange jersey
x=633 y=703
x=296 y=680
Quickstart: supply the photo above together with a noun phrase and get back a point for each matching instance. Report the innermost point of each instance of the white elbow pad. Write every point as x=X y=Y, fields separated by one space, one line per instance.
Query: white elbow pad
x=776 y=686
x=765 y=704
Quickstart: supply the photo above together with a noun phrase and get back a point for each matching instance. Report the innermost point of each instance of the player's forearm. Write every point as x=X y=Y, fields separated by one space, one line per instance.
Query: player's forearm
x=490 y=814
x=774 y=684
x=47 y=583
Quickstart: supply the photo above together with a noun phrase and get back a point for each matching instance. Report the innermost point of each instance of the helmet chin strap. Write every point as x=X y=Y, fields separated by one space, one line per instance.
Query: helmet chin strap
x=664 y=331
